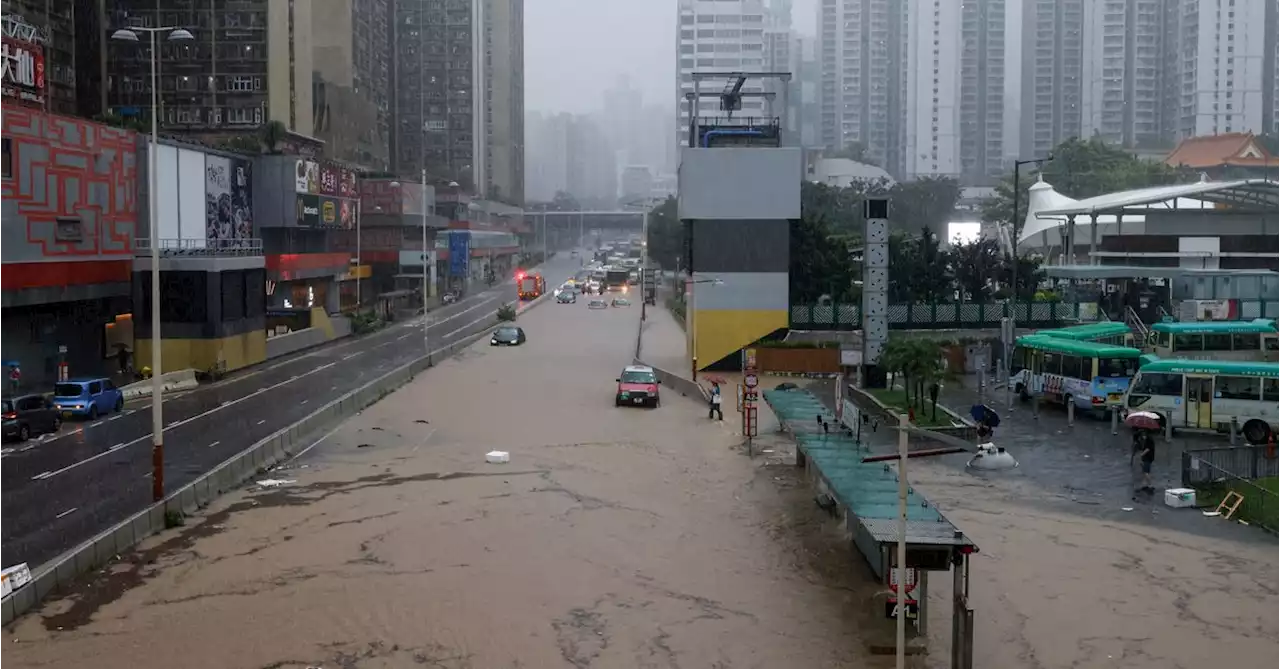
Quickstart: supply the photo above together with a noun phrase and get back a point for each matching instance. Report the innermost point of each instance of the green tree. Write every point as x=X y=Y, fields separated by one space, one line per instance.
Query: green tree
x=820 y=262
x=564 y=201
x=926 y=202
x=917 y=361
x=1030 y=275
x=272 y=135
x=976 y=266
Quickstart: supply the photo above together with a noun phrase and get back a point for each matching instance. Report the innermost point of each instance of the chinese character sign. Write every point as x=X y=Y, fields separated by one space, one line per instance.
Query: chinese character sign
x=22 y=71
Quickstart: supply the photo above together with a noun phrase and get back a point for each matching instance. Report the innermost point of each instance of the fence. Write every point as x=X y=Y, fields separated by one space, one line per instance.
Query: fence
x=945 y=316
x=1249 y=471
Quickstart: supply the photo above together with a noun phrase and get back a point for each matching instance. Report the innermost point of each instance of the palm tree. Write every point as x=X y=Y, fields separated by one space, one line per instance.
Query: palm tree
x=273 y=133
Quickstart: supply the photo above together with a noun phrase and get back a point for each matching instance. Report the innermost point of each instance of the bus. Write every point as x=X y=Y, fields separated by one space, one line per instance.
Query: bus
x=1092 y=376
x=1253 y=340
x=1207 y=394
x=1106 y=332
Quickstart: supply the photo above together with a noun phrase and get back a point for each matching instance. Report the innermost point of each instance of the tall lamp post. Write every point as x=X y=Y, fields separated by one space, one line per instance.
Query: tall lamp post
x=1013 y=251
x=157 y=385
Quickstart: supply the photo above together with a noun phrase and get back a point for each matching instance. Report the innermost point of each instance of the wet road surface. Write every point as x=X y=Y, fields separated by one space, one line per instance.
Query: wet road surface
x=615 y=537
x=1067 y=577
x=66 y=490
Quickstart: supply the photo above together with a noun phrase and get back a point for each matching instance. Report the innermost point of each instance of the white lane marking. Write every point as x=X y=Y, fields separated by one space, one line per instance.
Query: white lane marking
x=303 y=401
x=66 y=513
x=115 y=447
x=213 y=444
x=147 y=437
x=262 y=421
x=117 y=416
x=317 y=442
x=96 y=424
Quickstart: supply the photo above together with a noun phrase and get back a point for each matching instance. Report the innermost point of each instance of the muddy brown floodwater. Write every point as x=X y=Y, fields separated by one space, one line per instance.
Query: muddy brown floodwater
x=615 y=537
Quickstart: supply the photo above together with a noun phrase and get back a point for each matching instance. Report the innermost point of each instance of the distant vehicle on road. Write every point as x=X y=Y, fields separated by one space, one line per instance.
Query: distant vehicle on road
x=621 y=302
x=27 y=416
x=87 y=398
x=615 y=279
x=566 y=297
x=1093 y=376
x=638 y=385
x=1254 y=340
x=597 y=304
x=1210 y=394
x=530 y=286
x=449 y=297
x=508 y=335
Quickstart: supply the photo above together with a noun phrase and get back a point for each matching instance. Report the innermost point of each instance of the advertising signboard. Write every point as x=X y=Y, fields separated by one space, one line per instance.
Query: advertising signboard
x=307 y=177
x=329 y=177
x=307 y=210
x=459 y=252
x=22 y=71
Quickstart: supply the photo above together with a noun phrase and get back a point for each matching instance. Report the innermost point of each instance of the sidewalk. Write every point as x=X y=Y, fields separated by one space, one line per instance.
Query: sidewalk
x=663 y=342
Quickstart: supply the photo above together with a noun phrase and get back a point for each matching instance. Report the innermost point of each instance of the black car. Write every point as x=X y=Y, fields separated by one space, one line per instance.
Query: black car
x=28 y=416
x=508 y=335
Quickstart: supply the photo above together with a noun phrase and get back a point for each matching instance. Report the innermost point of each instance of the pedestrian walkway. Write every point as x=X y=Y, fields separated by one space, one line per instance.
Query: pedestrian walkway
x=664 y=343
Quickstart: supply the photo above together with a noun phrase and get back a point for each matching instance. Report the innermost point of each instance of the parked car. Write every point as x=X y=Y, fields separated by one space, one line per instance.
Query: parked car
x=597 y=304
x=29 y=416
x=638 y=384
x=87 y=398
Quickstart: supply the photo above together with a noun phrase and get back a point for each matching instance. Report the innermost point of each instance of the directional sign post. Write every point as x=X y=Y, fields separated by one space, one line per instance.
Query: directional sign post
x=751 y=381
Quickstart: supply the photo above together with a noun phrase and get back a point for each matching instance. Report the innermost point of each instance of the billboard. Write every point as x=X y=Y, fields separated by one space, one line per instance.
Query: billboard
x=332 y=189
x=459 y=252
x=228 y=198
x=307 y=210
x=22 y=71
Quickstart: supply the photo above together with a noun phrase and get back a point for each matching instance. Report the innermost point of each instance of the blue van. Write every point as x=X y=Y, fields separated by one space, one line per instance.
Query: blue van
x=87 y=398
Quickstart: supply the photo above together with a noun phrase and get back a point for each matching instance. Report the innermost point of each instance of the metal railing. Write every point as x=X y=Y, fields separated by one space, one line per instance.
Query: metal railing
x=1248 y=471
x=1135 y=323
x=944 y=316
x=201 y=248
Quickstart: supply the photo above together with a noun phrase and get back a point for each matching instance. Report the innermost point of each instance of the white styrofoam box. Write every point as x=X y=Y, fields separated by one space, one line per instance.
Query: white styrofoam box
x=13 y=578
x=1180 y=498
x=497 y=457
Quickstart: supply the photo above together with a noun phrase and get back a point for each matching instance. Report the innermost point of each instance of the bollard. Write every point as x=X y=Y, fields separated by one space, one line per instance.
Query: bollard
x=1235 y=430
x=1115 y=420
x=1168 y=429
x=1071 y=412
x=982 y=386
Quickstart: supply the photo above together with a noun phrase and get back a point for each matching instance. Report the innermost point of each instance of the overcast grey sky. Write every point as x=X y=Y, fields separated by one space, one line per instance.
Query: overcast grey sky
x=576 y=49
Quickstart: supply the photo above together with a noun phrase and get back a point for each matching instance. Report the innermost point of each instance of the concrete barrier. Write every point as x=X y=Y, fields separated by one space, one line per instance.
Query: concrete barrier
x=97 y=552
x=866 y=401
x=686 y=387
x=297 y=340
x=184 y=379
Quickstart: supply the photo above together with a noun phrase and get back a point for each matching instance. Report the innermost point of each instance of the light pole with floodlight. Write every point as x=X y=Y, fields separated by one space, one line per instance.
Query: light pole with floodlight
x=157 y=385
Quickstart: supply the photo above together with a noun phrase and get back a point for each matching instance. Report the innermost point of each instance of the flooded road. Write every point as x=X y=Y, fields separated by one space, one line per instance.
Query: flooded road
x=615 y=537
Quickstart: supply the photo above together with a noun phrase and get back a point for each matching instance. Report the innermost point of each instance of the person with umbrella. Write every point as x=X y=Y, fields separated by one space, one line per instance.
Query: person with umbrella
x=1144 y=424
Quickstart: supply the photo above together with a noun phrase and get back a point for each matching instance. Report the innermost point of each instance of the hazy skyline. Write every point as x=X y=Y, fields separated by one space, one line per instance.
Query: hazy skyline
x=577 y=49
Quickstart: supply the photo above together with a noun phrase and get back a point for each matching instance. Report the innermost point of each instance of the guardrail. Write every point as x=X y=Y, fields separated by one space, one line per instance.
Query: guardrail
x=200 y=248
x=945 y=316
x=284 y=444
x=1247 y=462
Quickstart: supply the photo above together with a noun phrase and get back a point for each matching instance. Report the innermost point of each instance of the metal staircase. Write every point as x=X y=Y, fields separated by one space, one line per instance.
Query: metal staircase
x=1139 y=329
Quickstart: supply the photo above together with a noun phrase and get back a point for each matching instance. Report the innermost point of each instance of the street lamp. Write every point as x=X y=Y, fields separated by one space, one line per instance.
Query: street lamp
x=692 y=318
x=157 y=384
x=426 y=270
x=1013 y=269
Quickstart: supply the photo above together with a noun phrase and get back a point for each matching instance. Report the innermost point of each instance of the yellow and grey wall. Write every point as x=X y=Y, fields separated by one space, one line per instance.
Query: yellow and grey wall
x=740 y=204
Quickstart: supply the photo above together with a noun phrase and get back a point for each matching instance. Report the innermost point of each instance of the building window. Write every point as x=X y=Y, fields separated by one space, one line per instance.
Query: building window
x=8 y=158
x=68 y=230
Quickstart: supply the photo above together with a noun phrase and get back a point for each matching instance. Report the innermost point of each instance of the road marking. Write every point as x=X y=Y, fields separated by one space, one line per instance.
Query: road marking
x=96 y=424
x=316 y=442
x=116 y=447
x=305 y=401
x=118 y=416
x=66 y=513
x=262 y=421
x=147 y=437
x=213 y=444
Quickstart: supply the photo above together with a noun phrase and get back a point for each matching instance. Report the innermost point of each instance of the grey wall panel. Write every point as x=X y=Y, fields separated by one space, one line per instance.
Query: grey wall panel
x=742 y=291
x=739 y=245
x=739 y=183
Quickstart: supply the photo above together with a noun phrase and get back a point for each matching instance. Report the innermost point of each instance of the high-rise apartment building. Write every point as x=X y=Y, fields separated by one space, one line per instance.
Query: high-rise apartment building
x=1223 y=67
x=982 y=103
x=548 y=145
x=1124 y=62
x=934 y=47
x=862 y=50
x=1052 y=66
x=459 y=102
x=352 y=58
x=806 y=77
x=718 y=36
x=250 y=63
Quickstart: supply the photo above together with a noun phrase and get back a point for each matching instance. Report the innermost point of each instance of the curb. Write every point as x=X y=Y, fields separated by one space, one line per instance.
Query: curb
x=869 y=402
x=66 y=569
x=685 y=387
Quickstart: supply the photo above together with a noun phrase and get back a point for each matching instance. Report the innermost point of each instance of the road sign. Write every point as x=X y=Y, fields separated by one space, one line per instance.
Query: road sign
x=751 y=380
x=893 y=580
x=891 y=609
x=750 y=361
